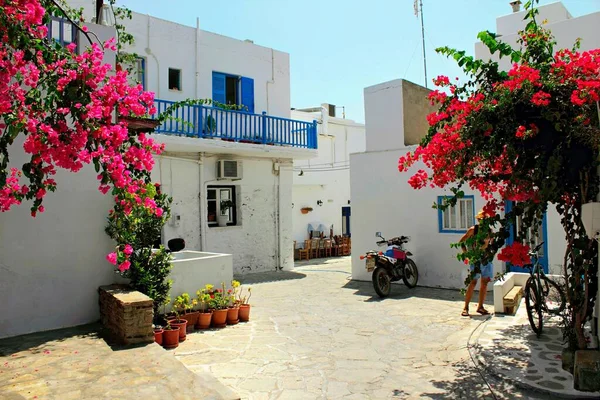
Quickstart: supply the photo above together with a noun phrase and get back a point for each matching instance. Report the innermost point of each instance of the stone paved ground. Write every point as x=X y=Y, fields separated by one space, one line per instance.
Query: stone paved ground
x=510 y=350
x=77 y=364
x=315 y=334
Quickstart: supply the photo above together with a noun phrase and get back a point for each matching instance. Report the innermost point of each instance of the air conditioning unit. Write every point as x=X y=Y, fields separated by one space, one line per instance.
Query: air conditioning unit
x=229 y=169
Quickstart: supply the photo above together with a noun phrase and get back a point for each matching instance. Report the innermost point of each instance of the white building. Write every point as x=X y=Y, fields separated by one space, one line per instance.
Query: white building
x=51 y=266
x=323 y=183
x=381 y=197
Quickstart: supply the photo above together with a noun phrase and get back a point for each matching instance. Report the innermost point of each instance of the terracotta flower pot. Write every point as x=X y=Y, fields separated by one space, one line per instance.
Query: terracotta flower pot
x=181 y=323
x=219 y=318
x=203 y=321
x=232 y=315
x=158 y=336
x=171 y=337
x=244 y=312
x=191 y=318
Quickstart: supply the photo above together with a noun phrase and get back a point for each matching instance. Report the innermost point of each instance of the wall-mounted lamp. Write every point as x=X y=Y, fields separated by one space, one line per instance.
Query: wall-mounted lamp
x=319 y=203
x=348 y=201
x=292 y=205
x=301 y=173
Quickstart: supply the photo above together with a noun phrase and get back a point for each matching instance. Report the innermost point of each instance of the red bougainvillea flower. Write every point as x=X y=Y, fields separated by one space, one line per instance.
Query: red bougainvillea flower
x=541 y=98
x=516 y=254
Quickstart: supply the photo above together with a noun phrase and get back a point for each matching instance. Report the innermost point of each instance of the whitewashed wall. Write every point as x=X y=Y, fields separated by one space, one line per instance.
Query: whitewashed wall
x=262 y=238
x=198 y=53
x=51 y=266
x=382 y=200
x=325 y=177
x=565 y=29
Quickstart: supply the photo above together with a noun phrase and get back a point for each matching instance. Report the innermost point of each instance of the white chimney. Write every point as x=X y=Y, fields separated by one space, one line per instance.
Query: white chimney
x=104 y=15
x=516 y=5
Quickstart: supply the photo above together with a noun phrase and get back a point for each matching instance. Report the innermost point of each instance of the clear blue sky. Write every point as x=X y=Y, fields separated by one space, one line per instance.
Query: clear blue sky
x=338 y=47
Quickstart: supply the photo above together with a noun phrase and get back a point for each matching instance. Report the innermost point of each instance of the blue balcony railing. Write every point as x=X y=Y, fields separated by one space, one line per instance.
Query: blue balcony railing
x=237 y=126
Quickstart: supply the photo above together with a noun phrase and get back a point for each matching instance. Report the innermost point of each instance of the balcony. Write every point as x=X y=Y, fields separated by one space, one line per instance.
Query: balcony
x=196 y=121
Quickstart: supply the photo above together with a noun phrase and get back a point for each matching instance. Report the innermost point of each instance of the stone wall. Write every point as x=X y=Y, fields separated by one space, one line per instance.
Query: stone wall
x=127 y=314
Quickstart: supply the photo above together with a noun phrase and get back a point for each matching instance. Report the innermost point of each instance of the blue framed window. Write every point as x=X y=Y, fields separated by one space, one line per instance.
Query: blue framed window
x=141 y=71
x=458 y=218
x=233 y=89
x=62 y=31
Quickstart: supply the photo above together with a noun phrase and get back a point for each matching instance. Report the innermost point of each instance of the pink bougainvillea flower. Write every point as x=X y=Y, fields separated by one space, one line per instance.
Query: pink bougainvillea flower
x=128 y=250
x=112 y=258
x=124 y=266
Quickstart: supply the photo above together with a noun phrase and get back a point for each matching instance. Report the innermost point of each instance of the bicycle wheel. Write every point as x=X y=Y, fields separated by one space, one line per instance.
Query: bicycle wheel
x=554 y=297
x=534 y=306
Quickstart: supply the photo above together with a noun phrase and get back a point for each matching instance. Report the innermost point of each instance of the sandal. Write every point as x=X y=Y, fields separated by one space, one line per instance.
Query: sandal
x=483 y=311
x=465 y=313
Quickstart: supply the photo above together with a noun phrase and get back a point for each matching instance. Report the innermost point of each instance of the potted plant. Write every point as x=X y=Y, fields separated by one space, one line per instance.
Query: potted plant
x=204 y=314
x=306 y=210
x=223 y=217
x=243 y=300
x=170 y=336
x=158 y=334
x=186 y=305
x=219 y=303
x=179 y=308
x=233 y=310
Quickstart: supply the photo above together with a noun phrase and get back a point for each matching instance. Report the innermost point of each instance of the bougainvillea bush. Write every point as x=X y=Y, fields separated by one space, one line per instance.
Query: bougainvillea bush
x=67 y=107
x=529 y=135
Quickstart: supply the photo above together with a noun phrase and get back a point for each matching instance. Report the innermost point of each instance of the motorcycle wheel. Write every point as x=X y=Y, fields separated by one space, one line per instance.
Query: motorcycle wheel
x=382 y=282
x=410 y=275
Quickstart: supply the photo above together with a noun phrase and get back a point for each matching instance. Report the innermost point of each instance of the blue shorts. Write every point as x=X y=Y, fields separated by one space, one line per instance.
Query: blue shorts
x=487 y=271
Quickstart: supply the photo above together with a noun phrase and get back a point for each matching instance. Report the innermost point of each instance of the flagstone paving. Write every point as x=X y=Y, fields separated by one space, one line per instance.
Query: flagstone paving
x=315 y=334
x=77 y=364
x=509 y=349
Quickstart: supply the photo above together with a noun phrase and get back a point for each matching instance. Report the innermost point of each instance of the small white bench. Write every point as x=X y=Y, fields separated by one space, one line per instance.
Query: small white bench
x=512 y=279
x=503 y=289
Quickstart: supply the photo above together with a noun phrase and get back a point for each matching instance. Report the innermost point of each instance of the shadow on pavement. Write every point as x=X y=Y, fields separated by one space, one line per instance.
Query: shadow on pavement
x=469 y=384
x=400 y=292
x=270 y=276
x=39 y=342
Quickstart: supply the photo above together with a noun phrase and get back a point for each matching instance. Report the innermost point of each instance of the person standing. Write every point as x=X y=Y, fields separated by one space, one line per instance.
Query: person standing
x=486 y=275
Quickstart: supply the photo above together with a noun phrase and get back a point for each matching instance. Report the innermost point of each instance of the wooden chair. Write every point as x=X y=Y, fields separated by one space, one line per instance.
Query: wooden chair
x=344 y=246
x=314 y=248
x=336 y=246
x=305 y=252
x=327 y=248
x=322 y=248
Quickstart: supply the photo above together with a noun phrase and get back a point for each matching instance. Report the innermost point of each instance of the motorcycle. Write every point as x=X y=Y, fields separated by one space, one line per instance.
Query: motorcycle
x=392 y=265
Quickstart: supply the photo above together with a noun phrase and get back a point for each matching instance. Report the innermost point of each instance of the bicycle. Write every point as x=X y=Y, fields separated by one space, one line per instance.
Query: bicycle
x=542 y=294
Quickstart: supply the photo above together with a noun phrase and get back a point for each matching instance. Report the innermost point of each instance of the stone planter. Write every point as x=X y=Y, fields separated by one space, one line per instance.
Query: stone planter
x=568 y=360
x=586 y=375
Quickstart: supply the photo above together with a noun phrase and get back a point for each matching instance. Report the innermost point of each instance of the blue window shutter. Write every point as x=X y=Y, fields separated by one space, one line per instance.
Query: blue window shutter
x=218 y=87
x=248 y=94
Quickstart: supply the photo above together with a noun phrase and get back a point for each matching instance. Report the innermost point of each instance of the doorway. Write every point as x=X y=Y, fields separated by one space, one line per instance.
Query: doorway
x=533 y=237
x=346 y=221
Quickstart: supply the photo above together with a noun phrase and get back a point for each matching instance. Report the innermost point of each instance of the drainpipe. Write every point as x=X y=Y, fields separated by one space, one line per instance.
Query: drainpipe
x=197 y=57
x=149 y=52
x=272 y=81
x=278 y=218
x=203 y=212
